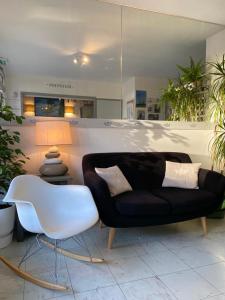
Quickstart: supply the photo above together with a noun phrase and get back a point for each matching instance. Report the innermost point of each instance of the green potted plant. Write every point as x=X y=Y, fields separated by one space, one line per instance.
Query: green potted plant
x=11 y=163
x=187 y=95
x=216 y=110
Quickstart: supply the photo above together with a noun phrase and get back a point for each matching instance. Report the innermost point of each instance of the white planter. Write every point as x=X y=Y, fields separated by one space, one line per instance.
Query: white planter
x=7 y=220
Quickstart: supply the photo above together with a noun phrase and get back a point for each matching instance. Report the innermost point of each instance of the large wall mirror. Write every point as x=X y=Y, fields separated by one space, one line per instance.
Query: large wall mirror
x=90 y=59
x=153 y=44
x=64 y=52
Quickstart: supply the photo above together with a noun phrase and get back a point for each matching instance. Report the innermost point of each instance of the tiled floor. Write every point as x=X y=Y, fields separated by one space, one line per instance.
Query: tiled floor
x=173 y=262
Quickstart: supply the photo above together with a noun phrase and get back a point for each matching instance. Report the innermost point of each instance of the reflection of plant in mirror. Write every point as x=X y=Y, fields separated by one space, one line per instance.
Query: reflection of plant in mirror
x=216 y=109
x=187 y=96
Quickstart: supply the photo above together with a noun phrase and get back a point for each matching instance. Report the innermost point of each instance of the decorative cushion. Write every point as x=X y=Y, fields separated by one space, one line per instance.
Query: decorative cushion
x=181 y=175
x=115 y=179
x=186 y=201
x=143 y=170
x=141 y=203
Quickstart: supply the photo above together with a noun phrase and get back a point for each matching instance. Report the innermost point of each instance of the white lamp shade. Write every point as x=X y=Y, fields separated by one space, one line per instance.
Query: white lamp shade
x=53 y=133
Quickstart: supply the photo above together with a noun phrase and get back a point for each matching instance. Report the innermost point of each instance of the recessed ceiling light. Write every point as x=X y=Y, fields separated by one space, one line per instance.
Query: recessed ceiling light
x=81 y=59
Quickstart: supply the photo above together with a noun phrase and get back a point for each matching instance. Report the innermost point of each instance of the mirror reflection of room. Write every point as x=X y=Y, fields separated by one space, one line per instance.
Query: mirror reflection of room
x=107 y=62
x=154 y=45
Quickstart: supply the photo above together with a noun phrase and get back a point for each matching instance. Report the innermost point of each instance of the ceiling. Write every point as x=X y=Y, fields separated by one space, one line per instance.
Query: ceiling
x=41 y=38
x=204 y=10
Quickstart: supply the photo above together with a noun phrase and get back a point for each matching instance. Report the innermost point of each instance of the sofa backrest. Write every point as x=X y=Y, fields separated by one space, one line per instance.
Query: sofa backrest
x=143 y=170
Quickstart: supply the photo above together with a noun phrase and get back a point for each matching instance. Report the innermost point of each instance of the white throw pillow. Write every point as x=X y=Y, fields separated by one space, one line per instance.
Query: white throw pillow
x=115 y=179
x=181 y=175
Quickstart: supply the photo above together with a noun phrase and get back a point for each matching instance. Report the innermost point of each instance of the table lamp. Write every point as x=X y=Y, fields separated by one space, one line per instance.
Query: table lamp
x=53 y=133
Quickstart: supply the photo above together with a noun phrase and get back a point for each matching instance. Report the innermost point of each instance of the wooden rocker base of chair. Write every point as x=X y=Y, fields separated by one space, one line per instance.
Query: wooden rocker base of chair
x=71 y=254
x=34 y=280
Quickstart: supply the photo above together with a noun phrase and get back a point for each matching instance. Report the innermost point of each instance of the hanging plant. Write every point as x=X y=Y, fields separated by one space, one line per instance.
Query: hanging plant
x=187 y=96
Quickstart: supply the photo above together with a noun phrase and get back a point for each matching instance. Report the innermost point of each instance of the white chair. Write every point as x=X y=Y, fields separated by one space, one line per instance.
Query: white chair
x=59 y=212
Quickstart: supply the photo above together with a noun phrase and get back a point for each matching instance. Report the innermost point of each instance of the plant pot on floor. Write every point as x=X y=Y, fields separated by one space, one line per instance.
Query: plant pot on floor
x=7 y=221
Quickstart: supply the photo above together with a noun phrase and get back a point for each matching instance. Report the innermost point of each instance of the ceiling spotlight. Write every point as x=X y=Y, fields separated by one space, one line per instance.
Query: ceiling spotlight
x=81 y=59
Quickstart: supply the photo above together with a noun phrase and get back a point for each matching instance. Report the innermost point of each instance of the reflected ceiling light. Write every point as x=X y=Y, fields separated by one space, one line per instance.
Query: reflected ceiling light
x=81 y=59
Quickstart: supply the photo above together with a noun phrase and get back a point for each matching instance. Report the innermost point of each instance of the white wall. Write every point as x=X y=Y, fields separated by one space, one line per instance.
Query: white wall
x=128 y=94
x=92 y=136
x=98 y=89
x=108 y=109
x=152 y=85
x=215 y=46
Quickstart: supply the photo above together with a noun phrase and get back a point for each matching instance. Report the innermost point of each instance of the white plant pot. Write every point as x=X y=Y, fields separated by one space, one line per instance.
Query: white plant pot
x=7 y=221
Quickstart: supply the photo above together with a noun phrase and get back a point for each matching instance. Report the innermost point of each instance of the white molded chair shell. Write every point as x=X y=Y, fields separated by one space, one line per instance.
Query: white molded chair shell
x=59 y=211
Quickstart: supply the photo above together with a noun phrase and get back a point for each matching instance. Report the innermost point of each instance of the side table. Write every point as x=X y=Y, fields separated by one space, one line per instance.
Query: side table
x=19 y=232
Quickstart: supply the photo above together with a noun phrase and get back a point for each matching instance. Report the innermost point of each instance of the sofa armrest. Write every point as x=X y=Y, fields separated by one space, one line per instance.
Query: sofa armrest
x=212 y=181
x=101 y=195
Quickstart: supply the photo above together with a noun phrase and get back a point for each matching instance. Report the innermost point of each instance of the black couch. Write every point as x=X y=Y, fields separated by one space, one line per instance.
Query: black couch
x=149 y=203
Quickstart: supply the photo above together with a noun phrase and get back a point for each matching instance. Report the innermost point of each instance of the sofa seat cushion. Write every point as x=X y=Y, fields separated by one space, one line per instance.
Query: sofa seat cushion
x=141 y=203
x=185 y=201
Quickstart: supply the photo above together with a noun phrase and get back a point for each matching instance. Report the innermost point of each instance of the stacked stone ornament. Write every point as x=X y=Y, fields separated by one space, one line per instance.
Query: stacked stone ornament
x=53 y=166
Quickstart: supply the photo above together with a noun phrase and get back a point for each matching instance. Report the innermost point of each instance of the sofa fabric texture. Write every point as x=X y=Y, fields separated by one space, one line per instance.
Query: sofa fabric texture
x=149 y=203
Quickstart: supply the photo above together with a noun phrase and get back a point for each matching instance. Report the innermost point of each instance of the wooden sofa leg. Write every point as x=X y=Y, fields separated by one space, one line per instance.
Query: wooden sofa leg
x=112 y=232
x=204 y=225
x=101 y=224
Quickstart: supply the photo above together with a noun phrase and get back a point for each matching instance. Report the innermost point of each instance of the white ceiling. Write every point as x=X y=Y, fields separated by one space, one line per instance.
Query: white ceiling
x=41 y=38
x=204 y=10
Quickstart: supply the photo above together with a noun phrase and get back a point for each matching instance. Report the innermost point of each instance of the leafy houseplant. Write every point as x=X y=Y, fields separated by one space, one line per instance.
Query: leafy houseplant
x=187 y=96
x=11 y=163
x=217 y=112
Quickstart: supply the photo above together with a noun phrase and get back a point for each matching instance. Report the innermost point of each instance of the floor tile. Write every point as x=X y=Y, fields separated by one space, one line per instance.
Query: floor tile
x=15 y=249
x=164 y=262
x=218 y=297
x=151 y=288
x=138 y=254
x=213 y=245
x=188 y=285
x=195 y=257
x=118 y=252
x=88 y=276
x=216 y=225
x=109 y=293
x=11 y=285
x=11 y=297
x=84 y=246
x=67 y=297
x=148 y=247
x=176 y=241
x=124 y=237
x=215 y=274
x=34 y=292
x=44 y=262
x=130 y=268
